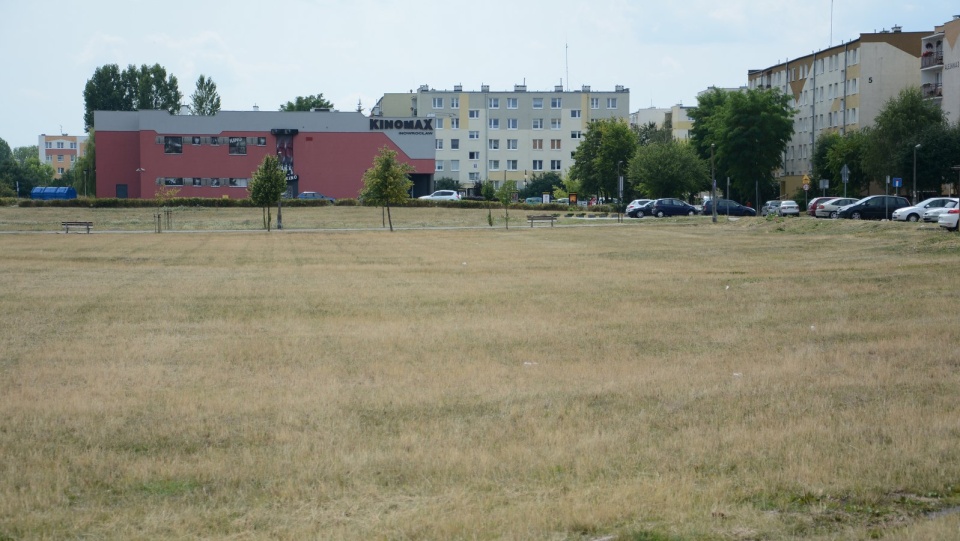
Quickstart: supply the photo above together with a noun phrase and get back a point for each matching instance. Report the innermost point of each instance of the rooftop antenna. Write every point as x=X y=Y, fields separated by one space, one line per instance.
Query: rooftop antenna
x=566 y=61
x=831 y=23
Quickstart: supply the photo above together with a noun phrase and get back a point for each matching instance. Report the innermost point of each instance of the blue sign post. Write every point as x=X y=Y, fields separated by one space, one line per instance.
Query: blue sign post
x=897 y=182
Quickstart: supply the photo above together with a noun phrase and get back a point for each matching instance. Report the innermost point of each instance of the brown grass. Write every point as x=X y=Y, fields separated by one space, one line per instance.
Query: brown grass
x=655 y=380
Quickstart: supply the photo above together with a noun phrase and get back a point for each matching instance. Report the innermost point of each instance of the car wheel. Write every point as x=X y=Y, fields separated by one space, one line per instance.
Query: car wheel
x=639 y=214
x=659 y=214
x=855 y=216
x=833 y=214
x=691 y=213
x=913 y=218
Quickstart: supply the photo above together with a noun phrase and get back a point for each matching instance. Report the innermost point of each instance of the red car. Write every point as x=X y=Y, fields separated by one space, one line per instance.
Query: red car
x=812 y=207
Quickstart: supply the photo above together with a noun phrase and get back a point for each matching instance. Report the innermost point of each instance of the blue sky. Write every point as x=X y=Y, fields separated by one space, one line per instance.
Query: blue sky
x=268 y=53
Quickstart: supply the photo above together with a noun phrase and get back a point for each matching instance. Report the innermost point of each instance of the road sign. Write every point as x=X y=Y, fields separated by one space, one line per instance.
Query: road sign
x=824 y=183
x=806 y=187
x=845 y=174
x=897 y=182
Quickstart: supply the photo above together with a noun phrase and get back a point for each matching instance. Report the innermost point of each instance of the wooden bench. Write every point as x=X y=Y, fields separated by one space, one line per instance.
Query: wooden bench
x=541 y=218
x=68 y=225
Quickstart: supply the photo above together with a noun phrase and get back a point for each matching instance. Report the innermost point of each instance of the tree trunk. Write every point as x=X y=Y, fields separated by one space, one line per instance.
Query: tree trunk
x=389 y=218
x=269 y=218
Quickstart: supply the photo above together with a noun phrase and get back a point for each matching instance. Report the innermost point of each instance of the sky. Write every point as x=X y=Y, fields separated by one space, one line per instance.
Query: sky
x=267 y=53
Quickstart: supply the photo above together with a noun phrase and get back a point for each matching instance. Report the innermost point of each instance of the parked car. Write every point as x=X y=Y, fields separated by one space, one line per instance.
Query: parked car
x=442 y=195
x=828 y=208
x=563 y=201
x=933 y=215
x=669 y=206
x=949 y=219
x=533 y=200
x=789 y=208
x=915 y=213
x=770 y=207
x=874 y=207
x=728 y=208
x=636 y=203
x=812 y=205
x=315 y=195
x=644 y=209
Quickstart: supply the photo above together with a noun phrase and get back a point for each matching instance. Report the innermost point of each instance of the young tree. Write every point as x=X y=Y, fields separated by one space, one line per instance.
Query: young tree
x=668 y=170
x=307 y=103
x=267 y=186
x=505 y=195
x=387 y=182
x=205 y=101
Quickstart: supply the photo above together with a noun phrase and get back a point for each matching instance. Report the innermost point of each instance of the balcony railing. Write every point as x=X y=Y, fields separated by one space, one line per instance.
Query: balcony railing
x=932 y=90
x=930 y=61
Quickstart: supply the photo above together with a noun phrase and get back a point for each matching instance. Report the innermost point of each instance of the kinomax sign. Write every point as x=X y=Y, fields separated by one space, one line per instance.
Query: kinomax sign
x=421 y=125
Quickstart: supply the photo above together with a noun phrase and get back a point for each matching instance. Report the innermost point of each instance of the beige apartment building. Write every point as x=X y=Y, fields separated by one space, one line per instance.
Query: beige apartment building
x=501 y=135
x=940 y=68
x=839 y=89
x=680 y=122
x=61 y=151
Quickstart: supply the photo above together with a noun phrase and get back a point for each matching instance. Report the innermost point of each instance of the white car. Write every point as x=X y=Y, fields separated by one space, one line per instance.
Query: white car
x=789 y=208
x=915 y=213
x=442 y=195
x=636 y=203
x=949 y=219
x=829 y=208
x=932 y=215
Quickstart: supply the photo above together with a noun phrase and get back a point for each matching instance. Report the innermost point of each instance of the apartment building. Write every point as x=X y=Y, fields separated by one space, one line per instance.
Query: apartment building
x=61 y=151
x=505 y=135
x=839 y=89
x=680 y=121
x=940 y=68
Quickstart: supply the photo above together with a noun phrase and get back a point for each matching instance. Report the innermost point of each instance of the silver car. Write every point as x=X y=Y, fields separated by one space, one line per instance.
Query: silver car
x=829 y=208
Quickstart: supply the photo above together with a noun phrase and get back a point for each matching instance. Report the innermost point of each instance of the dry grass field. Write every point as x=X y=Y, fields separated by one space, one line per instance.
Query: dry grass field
x=655 y=380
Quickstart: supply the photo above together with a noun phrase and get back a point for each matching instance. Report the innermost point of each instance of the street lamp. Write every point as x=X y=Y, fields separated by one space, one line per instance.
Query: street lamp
x=619 y=189
x=915 y=173
x=713 y=185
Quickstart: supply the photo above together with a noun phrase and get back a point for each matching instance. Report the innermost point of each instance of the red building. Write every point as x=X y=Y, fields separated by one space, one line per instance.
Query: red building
x=215 y=156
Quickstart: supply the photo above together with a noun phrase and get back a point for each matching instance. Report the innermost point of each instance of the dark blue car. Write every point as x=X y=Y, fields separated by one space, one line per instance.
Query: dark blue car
x=671 y=207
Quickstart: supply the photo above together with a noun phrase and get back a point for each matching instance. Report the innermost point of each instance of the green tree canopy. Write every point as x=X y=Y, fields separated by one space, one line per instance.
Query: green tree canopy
x=446 y=183
x=146 y=87
x=649 y=133
x=387 y=182
x=896 y=131
x=205 y=101
x=85 y=180
x=848 y=150
x=307 y=103
x=268 y=184
x=607 y=145
x=22 y=153
x=538 y=184
x=5 y=152
x=821 y=168
x=670 y=169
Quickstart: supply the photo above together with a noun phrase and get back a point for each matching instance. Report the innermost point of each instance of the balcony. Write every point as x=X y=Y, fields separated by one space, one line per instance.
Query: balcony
x=929 y=60
x=932 y=90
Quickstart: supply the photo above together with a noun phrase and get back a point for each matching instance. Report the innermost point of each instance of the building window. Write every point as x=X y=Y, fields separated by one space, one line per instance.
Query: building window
x=455 y=123
x=454 y=165
x=439 y=123
x=537 y=144
x=49 y=158
x=454 y=144
x=48 y=144
x=438 y=144
x=474 y=134
x=438 y=103
x=73 y=146
x=511 y=103
x=261 y=141
x=59 y=157
x=474 y=176
x=196 y=181
x=511 y=123
x=195 y=141
x=172 y=145
x=59 y=144
x=494 y=123
x=60 y=170
x=555 y=144
x=173 y=181
x=538 y=103
x=611 y=103
x=512 y=144
x=555 y=103
x=238 y=146
x=238 y=183
x=73 y=158
x=538 y=123
x=511 y=165
x=594 y=103
x=554 y=165
x=574 y=113
x=493 y=165
x=554 y=123
x=493 y=103
x=576 y=134
x=474 y=113
x=215 y=140
x=538 y=165
x=474 y=155
x=454 y=103
x=439 y=166
x=493 y=144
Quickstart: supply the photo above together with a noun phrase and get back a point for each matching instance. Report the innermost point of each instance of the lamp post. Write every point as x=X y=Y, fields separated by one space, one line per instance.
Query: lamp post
x=280 y=201
x=915 y=173
x=713 y=186
x=619 y=190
